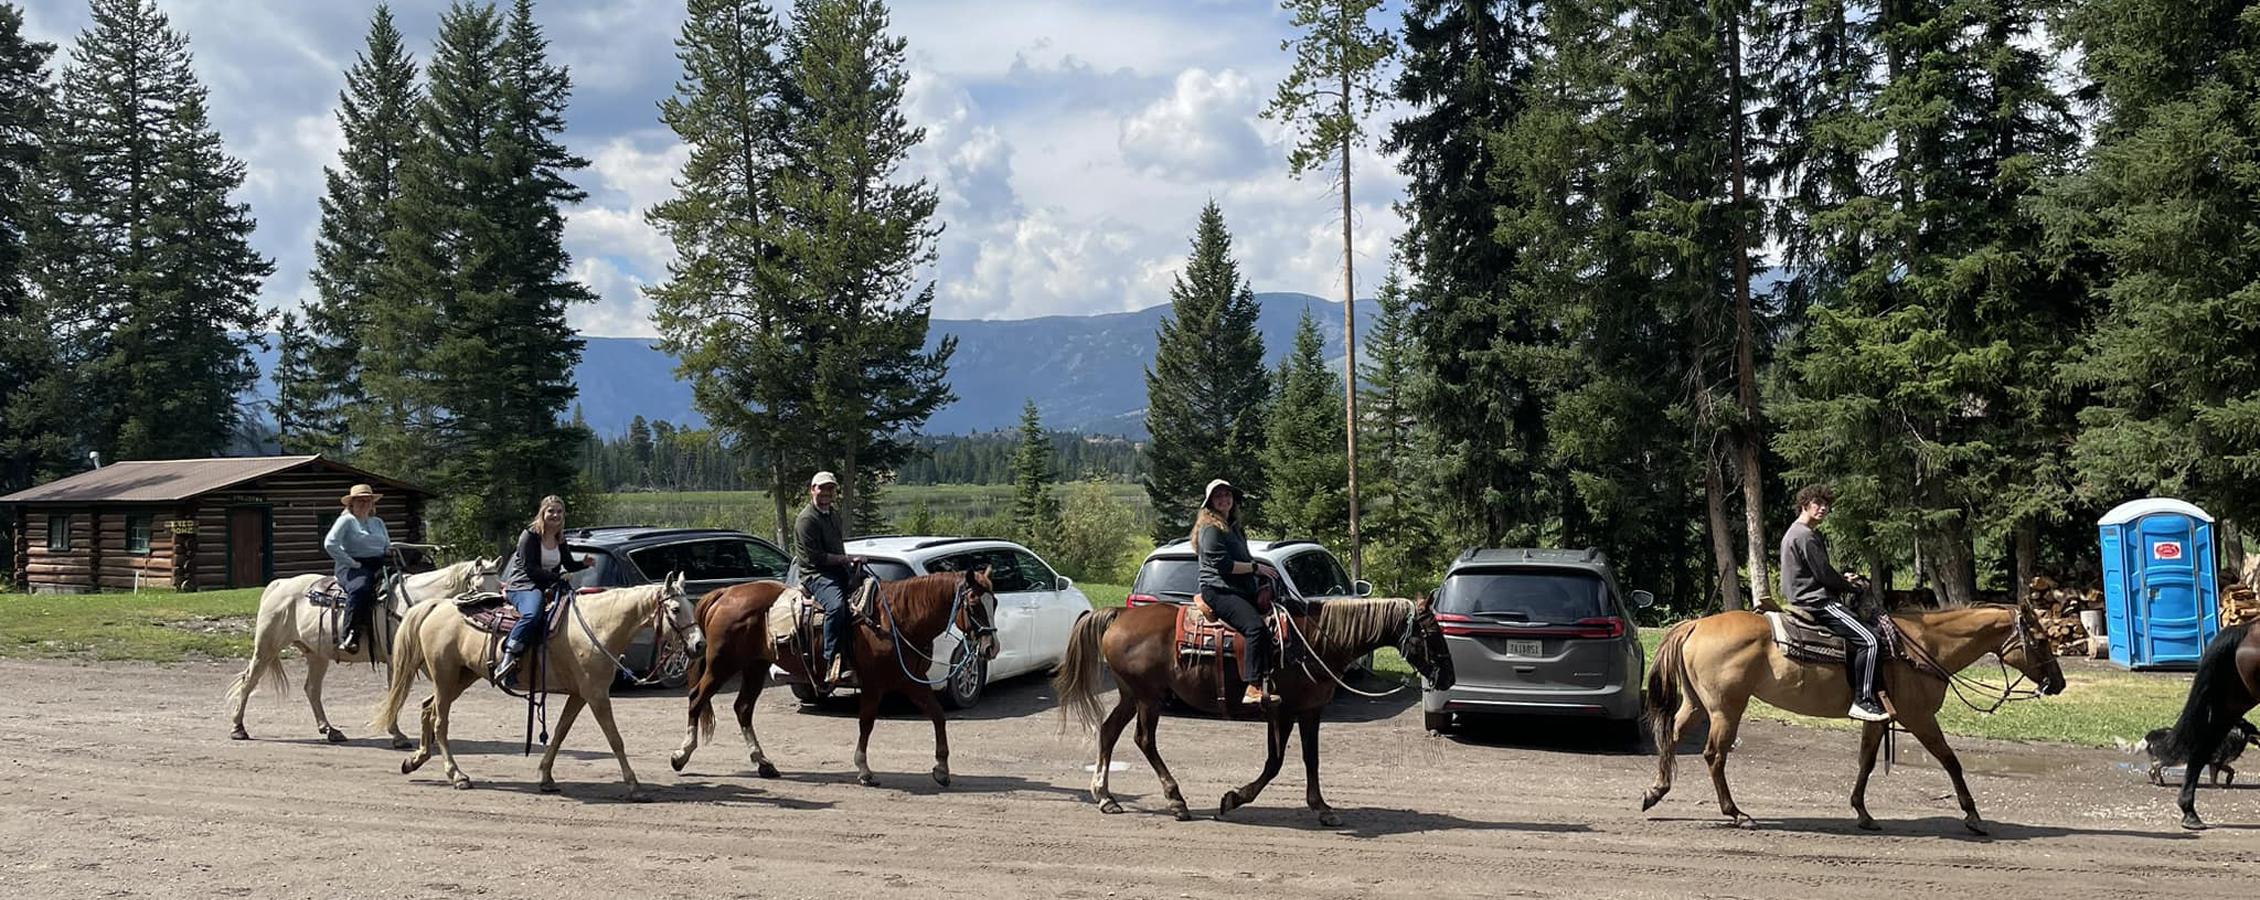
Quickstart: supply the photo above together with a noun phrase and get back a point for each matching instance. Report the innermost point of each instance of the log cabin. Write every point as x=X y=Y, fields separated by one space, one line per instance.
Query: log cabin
x=191 y=524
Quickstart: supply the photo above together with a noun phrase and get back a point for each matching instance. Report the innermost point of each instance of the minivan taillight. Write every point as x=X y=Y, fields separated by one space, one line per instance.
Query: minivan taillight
x=1598 y=627
x=1141 y=600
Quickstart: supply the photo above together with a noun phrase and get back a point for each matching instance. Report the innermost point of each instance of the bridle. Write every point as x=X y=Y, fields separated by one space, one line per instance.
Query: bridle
x=978 y=630
x=1408 y=634
x=2020 y=638
x=662 y=625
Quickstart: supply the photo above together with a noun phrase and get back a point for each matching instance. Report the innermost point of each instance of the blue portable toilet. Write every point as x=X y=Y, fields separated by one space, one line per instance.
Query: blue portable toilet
x=2159 y=595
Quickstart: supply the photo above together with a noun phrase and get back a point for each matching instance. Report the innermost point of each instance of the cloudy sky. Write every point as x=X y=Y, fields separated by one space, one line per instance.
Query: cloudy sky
x=1072 y=141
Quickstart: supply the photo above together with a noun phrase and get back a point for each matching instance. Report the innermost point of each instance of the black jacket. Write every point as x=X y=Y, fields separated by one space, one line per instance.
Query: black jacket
x=820 y=544
x=1219 y=549
x=1807 y=578
x=525 y=572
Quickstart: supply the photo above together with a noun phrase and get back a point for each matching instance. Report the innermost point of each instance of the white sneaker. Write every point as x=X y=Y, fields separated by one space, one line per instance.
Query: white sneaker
x=1868 y=711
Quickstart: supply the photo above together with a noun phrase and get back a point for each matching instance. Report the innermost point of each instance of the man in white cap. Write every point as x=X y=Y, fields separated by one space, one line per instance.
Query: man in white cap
x=826 y=571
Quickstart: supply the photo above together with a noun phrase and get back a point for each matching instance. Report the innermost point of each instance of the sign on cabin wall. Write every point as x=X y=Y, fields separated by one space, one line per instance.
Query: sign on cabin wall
x=181 y=526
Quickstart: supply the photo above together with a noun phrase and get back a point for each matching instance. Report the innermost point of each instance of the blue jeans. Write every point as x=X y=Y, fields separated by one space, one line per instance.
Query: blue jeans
x=528 y=630
x=359 y=582
x=831 y=594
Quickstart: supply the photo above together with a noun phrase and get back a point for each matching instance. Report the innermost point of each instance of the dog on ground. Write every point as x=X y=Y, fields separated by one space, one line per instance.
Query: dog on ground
x=2240 y=735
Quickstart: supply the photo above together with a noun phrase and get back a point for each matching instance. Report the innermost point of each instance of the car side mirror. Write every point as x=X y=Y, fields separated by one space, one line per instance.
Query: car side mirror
x=1065 y=583
x=1643 y=599
x=1362 y=588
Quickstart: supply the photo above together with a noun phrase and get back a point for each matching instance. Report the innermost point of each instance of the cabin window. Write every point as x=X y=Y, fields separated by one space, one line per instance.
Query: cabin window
x=59 y=534
x=137 y=534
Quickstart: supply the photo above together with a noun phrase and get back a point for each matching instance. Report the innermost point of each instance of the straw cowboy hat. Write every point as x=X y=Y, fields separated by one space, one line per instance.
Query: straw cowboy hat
x=357 y=492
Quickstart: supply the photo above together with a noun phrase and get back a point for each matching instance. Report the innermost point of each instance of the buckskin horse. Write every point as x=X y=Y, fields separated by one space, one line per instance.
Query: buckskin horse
x=1138 y=645
x=286 y=620
x=1715 y=664
x=579 y=658
x=744 y=622
x=2226 y=686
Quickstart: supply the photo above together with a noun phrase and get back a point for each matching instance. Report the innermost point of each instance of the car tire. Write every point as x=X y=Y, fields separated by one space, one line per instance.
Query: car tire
x=805 y=693
x=675 y=669
x=964 y=689
x=1437 y=722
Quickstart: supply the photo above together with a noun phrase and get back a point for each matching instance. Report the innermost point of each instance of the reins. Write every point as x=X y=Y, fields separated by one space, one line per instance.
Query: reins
x=1412 y=614
x=1928 y=664
x=894 y=630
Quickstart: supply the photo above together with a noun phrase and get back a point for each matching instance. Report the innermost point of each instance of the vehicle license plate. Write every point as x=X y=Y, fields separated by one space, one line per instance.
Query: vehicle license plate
x=1526 y=649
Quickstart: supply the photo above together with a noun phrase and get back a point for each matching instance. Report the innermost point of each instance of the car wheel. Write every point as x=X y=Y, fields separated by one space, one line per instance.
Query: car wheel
x=966 y=683
x=1438 y=722
x=804 y=692
x=674 y=669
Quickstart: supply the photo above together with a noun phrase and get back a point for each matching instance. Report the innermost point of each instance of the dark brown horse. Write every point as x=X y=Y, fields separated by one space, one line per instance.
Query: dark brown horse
x=2227 y=686
x=890 y=655
x=1138 y=646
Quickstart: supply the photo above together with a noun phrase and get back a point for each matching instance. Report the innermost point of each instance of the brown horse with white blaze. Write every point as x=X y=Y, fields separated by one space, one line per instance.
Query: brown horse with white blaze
x=1715 y=664
x=910 y=614
x=1138 y=645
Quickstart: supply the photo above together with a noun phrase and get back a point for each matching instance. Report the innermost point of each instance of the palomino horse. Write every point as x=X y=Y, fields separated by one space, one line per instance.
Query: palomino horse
x=287 y=620
x=2227 y=686
x=1715 y=664
x=581 y=656
x=890 y=656
x=1138 y=646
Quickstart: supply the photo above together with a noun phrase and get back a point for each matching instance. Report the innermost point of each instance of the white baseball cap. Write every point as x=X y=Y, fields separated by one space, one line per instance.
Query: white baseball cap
x=823 y=478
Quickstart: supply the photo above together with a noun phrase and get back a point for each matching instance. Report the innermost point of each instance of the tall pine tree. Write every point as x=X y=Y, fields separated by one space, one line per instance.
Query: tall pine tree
x=1206 y=387
x=726 y=309
x=1402 y=541
x=1033 y=507
x=293 y=373
x=856 y=241
x=376 y=116
x=35 y=394
x=1305 y=472
x=161 y=263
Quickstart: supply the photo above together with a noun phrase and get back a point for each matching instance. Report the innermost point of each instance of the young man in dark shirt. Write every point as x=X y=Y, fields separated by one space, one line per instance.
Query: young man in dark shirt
x=826 y=571
x=1810 y=583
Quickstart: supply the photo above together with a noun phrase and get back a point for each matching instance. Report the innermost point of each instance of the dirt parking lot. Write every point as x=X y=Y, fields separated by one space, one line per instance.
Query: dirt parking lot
x=119 y=781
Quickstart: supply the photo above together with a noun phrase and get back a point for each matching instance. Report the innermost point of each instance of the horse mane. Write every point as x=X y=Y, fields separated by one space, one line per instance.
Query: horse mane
x=421 y=580
x=921 y=590
x=1354 y=626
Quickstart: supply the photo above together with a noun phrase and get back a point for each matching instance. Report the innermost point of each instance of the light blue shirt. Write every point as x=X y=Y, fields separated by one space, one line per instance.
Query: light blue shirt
x=353 y=538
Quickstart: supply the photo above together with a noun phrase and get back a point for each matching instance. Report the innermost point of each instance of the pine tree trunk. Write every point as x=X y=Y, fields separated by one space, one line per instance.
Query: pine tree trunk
x=779 y=487
x=1745 y=365
x=1722 y=545
x=2231 y=542
x=1350 y=338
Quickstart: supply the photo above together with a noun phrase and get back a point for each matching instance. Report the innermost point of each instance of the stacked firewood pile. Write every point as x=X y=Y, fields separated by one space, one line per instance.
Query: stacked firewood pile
x=2059 y=608
x=2239 y=604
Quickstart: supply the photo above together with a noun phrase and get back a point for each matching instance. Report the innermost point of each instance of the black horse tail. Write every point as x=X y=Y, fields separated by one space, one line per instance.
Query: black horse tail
x=2203 y=720
x=1662 y=699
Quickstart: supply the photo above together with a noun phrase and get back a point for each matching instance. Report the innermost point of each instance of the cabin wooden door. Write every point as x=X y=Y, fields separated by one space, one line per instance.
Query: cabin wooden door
x=247 y=547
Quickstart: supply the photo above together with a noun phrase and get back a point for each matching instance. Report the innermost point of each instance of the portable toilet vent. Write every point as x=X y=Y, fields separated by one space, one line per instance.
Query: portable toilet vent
x=2159 y=595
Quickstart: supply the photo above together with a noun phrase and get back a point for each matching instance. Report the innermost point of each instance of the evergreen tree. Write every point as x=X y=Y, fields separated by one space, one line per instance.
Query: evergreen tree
x=856 y=241
x=1032 y=476
x=36 y=398
x=1304 y=463
x=160 y=260
x=376 y=116
x=725 y=309
x=1402 y=538
x=1486 y=352
x=2167 y=206
x=293 y=372
x=639 y=449
x=1206 y=387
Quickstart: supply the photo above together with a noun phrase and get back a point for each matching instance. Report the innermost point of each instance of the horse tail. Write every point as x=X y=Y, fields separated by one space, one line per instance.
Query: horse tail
x=1078 y=681
x=1662 y=699
x=270 y=633
x=407 y=657
x=697 y=669
x=2216 y=676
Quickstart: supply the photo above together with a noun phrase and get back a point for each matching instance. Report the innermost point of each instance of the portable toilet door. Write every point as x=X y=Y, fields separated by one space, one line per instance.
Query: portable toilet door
x=2159 y=595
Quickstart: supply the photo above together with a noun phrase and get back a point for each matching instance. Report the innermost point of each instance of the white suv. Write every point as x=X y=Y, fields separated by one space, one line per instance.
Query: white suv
x=1172 y=572
x=1036 y=608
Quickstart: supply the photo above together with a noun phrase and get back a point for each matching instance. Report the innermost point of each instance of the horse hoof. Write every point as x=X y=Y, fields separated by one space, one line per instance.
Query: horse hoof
x=766 y=770
x=1110 y=807
x=1649 y=800
x=941 y=776
x=678 y=761
x=1745 y=823
x=549 y=787
x=239 y=734
x=407 y=766
x=1182 y=814
x=867 y=780
x=462 y=784
x=2193 y=823
x=1975 y=826
x=636 y=796
x=1869 y=825
x=1230 y=802
x=1329 y=819
x=335 y=736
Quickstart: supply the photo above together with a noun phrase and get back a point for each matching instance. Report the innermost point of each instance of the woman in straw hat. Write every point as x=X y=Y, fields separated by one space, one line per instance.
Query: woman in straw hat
x=356 y=544
x=1228 y=581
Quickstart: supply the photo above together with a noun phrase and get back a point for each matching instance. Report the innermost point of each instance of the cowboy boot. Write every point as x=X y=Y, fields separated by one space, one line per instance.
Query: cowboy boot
x=350 y=642
x=505 y=667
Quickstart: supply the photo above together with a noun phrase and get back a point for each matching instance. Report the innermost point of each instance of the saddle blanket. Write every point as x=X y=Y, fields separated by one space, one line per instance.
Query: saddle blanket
x=492 y=613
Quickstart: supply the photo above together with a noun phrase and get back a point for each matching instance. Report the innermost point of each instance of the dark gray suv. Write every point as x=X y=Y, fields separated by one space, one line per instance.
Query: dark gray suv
x=709 y=558
x=1538 y=632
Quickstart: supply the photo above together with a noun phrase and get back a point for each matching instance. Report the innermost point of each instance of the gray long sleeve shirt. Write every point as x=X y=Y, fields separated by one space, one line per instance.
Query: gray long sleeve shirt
x=1807 y=578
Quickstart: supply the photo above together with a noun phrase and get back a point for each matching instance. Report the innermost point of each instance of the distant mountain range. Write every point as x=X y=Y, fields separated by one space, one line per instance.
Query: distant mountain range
x=1086 y=373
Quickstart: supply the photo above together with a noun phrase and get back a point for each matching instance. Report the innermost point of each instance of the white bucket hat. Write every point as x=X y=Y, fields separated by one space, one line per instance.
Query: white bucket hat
x=1213 y=486
x=823 y=478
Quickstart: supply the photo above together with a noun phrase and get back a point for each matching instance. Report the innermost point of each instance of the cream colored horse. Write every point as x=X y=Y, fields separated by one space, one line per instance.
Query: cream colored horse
x=437 y=640
x=285 y=620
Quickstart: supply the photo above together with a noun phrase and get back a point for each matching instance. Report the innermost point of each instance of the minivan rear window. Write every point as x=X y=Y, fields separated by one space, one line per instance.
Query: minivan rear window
x=1174 y=577
x=1550 y=596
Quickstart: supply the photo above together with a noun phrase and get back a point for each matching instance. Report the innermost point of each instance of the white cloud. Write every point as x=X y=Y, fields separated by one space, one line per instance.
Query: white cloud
x=1203 y=130
x=620 y=310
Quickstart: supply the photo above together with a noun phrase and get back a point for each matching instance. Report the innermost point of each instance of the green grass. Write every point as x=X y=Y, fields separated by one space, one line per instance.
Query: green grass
x=2100 y=702
x=152 y=626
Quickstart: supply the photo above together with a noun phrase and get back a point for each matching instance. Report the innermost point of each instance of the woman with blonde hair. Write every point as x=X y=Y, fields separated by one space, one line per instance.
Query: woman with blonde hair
x=535 y=574
x=1228 y=582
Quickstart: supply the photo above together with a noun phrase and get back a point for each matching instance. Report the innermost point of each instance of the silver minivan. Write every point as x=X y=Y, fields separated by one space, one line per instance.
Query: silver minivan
x=1538 y=632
